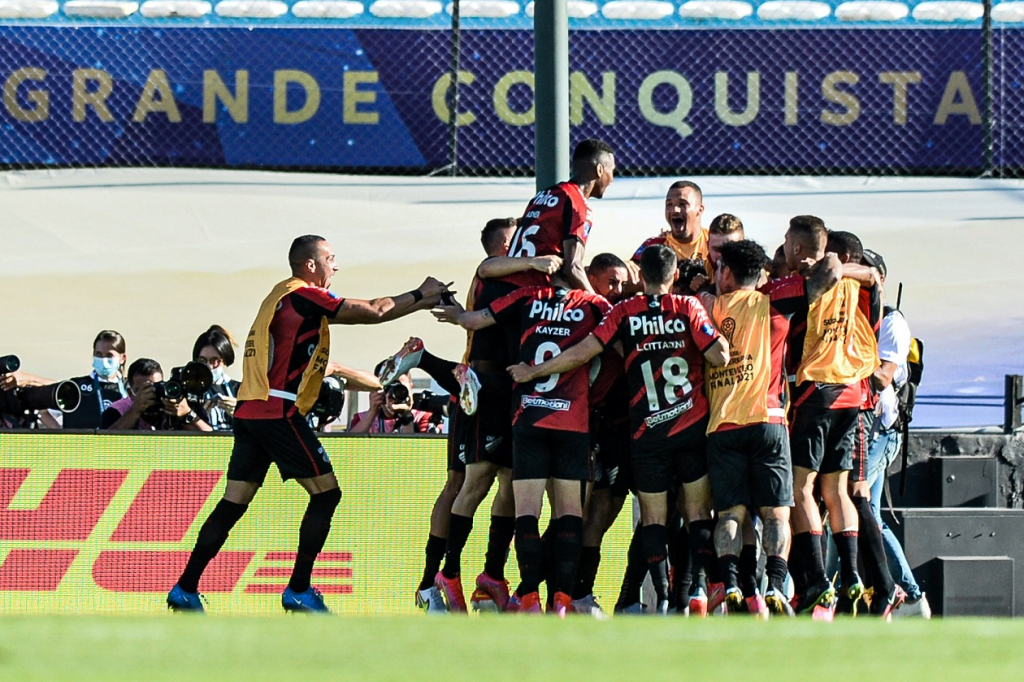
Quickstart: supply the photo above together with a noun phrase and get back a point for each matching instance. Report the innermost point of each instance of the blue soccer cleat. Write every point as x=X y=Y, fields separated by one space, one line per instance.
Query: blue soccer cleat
x=188 y=602
x=310 y=601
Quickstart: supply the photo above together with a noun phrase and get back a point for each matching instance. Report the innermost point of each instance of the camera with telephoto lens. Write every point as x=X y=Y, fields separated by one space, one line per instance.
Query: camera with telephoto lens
x=329 y=403
x=193 y=380
x=397 y=393
x=427 y=401
x=64 y=396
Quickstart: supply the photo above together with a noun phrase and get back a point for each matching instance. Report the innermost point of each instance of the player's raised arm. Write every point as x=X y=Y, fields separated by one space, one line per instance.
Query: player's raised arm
x=384 y=309
x=580 y=354
x=501 y=266
x=573 y=271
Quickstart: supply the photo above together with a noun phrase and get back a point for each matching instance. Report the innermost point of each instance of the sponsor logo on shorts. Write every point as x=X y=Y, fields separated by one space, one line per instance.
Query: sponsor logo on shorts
x=669 y=414
x=556 y=404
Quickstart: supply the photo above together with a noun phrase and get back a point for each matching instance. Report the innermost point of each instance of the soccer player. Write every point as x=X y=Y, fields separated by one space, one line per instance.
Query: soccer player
x=749 y=460
x=557 y=220
x=286 y=353
x=609 y=421
x=664 y=339
x=886 y=595
x=830 y=359
x=724 y=228
x=549 y=429
x=688 y=239
x=480 y=442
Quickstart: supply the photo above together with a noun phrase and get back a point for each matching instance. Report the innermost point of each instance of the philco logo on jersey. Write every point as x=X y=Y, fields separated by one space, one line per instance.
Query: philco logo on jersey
x=555 y=313
x=545 y=198
x=655 y=325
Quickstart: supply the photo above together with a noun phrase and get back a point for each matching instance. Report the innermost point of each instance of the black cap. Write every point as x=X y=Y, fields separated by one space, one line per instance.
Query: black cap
x=874 y=260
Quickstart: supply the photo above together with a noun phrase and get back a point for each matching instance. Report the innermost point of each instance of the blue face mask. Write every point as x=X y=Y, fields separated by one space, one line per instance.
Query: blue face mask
x=220 y=376
x=106 y=367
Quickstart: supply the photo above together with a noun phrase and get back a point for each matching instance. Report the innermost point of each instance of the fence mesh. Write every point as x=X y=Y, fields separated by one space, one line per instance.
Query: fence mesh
x=908 y=98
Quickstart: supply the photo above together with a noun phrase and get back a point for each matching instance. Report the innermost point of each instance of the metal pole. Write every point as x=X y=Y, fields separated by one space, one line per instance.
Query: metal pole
x=551 y=91
x=988 y=123
x=1012 y=400
x=453 y=125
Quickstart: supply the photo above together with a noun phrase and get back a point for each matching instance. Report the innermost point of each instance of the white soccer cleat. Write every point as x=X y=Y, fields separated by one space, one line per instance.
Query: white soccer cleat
x=469 y=389
x=919 y=608
x=431 y=602
x=401 y=362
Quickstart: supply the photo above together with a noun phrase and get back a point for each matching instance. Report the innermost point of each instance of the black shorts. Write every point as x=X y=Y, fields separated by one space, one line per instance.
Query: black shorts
x=861 y=444
x=750 y=467
x=612 y=471
x=660 y=463
x=490 y=439
x=822 y=440
x=288 y=442
x=549 y=453
x=459 y=428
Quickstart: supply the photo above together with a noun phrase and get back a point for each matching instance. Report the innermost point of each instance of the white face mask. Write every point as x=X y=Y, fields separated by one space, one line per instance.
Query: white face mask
x=220 y=376
x=106 y=367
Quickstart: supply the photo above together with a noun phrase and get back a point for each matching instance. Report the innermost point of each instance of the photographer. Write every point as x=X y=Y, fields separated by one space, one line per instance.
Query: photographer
x=146 y=411
x=215 y=349
x=104 y=385
x=391 y=411
x=10 y=417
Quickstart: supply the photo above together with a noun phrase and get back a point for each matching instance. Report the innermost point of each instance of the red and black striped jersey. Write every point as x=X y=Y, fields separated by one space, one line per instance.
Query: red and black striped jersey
x=294 y=336
x=550 y=321
x=553 y=216
x=663 y=340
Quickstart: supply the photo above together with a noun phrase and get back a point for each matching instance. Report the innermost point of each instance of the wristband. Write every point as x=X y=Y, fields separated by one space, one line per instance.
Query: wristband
x=417 y=295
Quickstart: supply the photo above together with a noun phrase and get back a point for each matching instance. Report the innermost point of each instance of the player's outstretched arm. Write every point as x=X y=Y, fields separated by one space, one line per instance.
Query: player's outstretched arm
x=573 y=270
x=471 y=320
x=582 y=353
x=500 y=266
x=377 y=310
x=355 y=379
x=824 y=275
x=718 y=352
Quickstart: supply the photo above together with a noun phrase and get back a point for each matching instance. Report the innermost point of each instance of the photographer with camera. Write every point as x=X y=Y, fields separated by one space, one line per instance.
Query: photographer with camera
x=14 y=413
x=215 y=349
x=391 y=411
x=155 y=405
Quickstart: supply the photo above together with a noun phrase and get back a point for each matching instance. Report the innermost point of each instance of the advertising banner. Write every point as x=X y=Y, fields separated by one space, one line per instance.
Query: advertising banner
x=716 y=100
x=105 y=524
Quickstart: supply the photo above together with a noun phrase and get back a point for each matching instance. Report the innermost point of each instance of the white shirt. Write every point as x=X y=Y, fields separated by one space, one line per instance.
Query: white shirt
x=893 y=346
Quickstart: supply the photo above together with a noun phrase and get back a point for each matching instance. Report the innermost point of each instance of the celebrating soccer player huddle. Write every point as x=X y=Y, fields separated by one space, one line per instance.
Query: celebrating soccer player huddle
x=727 y=401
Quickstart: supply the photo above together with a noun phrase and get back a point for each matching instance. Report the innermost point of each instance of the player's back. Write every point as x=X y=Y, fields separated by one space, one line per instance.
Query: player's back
x=554 y=215
x=551 y=321
x=663 y=338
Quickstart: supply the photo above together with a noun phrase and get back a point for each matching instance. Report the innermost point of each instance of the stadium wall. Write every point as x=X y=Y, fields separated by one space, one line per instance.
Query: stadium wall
x=104 y=524
x=825 y=100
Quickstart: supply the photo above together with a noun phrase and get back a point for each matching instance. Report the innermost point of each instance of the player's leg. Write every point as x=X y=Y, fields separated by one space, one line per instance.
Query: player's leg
x=771 y=485
x=886 y=597
x=808 y=432
x=530 y=472
x=477 y=483
x=491 y=582
x=628 y=601
x=428 y=597
x=653 y=475
x=246 y=471
x=696 y=503
x=749 y=583
x=571 y=472
x=835 y=475
x=728 y=479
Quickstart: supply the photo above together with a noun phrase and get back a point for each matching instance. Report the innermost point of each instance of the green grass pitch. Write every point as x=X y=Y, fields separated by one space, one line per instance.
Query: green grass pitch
x=452 y=649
